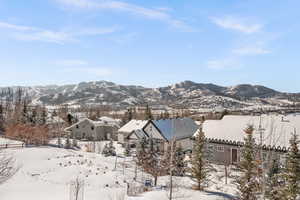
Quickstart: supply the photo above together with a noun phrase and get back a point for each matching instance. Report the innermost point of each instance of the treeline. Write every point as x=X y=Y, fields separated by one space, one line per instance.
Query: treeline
x=19 y=120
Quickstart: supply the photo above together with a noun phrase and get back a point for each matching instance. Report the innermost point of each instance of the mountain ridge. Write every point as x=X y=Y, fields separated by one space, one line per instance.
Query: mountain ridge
x=183 y=94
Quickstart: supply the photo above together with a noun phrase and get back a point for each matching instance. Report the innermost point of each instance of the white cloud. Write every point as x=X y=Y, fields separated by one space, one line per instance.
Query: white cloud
x=15 y=27
x=251 y=50
x=28 y=33
x=149 y=13
x=71 y=62
x=220 y=64
x=45 y=36
x=237 y=24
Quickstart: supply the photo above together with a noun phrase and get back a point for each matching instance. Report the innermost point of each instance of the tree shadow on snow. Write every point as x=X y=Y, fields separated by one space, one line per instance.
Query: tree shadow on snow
x=221 y=194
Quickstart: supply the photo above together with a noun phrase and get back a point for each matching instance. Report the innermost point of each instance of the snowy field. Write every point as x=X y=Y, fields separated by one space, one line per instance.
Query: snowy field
x=46 y=172
x=4 y=141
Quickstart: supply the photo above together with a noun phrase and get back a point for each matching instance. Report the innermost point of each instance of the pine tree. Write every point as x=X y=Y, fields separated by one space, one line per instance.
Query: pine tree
x=74 y=142
x=248 y=182
x=151 y=159
x=43 y=118
x=178 y=165
x=128 y=116
x=273 y=184
x=127 y=150
x=148 y=113
x=2 y=120
x=109 y=149
x=200 y=166
x=59 y=141
x=291 y=174
x=68 y=143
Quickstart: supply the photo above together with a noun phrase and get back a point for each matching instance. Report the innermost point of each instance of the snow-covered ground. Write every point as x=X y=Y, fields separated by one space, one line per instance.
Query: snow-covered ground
x=4 y=141
x=46 y=172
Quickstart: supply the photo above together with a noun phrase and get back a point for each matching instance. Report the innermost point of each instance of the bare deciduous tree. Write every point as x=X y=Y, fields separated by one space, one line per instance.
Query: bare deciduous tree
x=7 y=167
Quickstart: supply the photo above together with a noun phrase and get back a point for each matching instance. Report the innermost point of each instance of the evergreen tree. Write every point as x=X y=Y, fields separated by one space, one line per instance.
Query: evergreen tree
x=2 y=126
x=248 y=182
x=70 y=119
x=200 y=166
x=178 y=165
x=68 y=143
x=128 y=116
x=74 y=142
x=109 y=149
x=127 y=151
x=148 y=113
x=59 y=141
x=33 y=117
x=166 y=115
x=151 y=159
x=291 y=174
x=273 y=183
x=43 y=117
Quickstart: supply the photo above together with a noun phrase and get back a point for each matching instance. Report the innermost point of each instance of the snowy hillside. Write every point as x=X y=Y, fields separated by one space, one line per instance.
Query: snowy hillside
x=184 y=94
x=46 y=172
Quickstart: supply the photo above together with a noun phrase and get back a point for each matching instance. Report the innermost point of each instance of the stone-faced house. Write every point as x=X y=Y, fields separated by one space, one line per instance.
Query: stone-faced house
x=127 y=133
x=93 y=130
x=225 y=137
x=162 y=131
x=180 y=129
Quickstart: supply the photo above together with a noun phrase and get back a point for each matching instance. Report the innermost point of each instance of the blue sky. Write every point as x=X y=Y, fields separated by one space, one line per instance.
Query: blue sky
x=151 y=43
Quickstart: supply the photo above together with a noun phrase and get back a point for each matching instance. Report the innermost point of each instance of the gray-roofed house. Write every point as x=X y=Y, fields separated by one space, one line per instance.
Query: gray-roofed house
x=93 y=130
x=136 y=129
x=181 y=130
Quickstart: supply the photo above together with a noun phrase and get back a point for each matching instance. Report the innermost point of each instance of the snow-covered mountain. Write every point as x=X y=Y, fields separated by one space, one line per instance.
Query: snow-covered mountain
x=184 y=94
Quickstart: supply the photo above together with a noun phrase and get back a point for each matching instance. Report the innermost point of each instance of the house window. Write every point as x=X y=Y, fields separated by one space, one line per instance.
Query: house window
x=220 y=148
x=92 y=128
x=77 y=126
x=210 y=148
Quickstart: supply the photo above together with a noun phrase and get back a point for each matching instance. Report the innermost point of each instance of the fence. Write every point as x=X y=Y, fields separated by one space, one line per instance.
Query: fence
x=5 y=146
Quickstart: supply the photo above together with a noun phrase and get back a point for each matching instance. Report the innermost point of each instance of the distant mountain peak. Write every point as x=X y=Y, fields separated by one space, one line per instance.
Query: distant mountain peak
x=183 y=94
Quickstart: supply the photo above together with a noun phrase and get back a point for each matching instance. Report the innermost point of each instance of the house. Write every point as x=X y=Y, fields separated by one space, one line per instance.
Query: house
x=180 y=130
x=127 y=133
x=225 y=137
x=110 y=121
x=162 y=131
x=93 y=130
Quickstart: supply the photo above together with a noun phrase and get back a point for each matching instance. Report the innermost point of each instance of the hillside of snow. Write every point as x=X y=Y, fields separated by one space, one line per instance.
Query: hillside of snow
x=46 y=172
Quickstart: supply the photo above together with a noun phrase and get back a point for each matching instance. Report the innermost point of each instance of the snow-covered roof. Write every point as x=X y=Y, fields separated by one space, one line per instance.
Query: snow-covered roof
x=179 y=128
x=55 y=119
x=110 y=121
x=133 y=125
x=95 y=123
x=277 y=128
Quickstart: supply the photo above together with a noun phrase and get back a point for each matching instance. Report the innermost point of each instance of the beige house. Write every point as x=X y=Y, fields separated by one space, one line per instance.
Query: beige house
x=93 y=130
x=225 y=137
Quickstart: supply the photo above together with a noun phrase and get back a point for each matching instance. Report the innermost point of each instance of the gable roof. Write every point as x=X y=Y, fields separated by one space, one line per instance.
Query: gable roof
x=95 y=123
x=278 y=128
x=110 y=121
x=176 y=128
x=133 y=125
x=140 y=134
